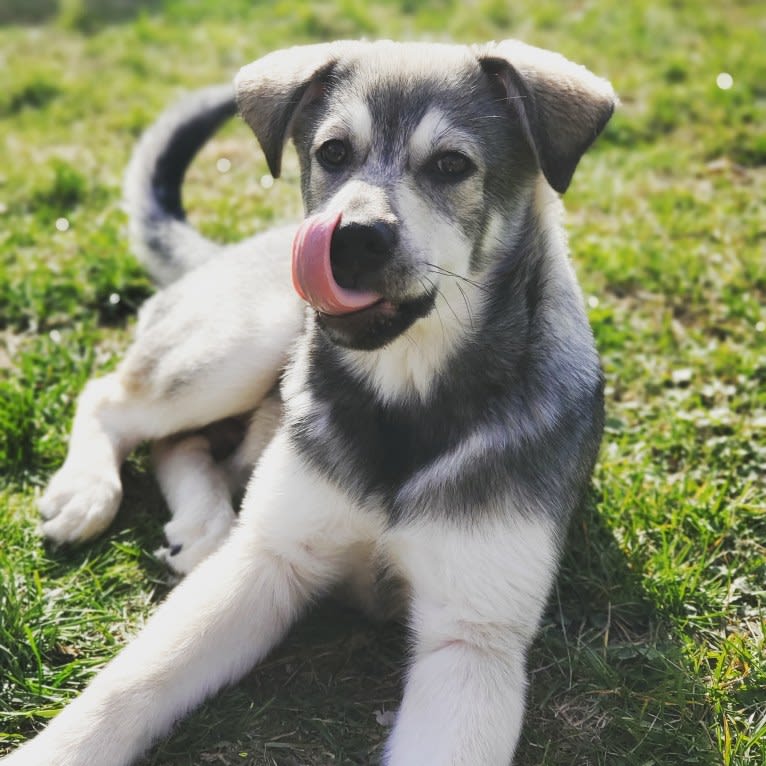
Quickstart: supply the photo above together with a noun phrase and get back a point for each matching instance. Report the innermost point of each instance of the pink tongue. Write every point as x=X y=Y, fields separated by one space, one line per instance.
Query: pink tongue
x=312 y=273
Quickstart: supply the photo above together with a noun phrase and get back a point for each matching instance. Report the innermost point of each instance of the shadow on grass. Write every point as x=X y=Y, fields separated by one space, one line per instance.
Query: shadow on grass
x=608 y=683
x=85 y=15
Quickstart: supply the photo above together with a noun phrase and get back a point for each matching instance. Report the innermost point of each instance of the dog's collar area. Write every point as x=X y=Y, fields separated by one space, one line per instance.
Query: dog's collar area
x=377 y=325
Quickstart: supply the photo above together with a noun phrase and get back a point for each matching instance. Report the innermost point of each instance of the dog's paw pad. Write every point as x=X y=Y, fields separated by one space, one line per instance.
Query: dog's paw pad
x=77 y=505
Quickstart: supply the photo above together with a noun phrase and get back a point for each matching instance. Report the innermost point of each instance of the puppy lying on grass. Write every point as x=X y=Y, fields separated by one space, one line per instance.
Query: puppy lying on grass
x=440 y=406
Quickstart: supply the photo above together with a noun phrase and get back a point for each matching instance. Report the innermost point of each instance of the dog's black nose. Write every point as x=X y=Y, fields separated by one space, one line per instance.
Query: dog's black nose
x=358 y=252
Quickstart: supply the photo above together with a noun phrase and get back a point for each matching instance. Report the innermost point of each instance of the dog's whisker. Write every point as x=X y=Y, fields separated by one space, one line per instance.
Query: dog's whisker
x=434 y=288
x=467 y=304
x=449 y=306
x=447 y=273
x=408 y=337
x=447 y=303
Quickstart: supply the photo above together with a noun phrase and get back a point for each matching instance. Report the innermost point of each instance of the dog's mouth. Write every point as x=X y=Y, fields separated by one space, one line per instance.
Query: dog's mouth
x=360 y=319
x=312 y=270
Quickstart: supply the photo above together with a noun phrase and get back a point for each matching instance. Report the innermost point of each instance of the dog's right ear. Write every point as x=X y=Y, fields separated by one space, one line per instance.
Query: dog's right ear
x=272 y=90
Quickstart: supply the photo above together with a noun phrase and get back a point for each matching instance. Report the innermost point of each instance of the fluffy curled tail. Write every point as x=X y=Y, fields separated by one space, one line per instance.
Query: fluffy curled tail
x=160 y=235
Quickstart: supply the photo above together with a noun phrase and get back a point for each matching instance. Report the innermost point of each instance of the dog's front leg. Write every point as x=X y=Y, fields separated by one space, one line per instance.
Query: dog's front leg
x=293 y=541
x=477 y=595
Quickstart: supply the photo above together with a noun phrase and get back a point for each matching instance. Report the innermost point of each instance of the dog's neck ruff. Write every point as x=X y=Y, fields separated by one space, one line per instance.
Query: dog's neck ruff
x=407 y=368
x=440 y=424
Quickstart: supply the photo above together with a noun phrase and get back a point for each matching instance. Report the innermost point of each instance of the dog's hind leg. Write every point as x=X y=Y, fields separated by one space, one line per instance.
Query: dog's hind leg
x=112 y=417
x=291 y=544
x=478 y=592
x=204 y=350
x=198 y=482
x=83 y=496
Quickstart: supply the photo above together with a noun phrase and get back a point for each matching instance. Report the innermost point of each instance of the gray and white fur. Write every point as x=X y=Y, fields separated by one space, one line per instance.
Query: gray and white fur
x=440 y=438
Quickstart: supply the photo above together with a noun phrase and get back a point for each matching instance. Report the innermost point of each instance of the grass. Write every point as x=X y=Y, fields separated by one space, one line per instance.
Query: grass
x=652 y=651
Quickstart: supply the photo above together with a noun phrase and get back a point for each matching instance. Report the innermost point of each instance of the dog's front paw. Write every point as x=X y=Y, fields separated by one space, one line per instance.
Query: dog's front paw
x=191 y=541
x=79 y=504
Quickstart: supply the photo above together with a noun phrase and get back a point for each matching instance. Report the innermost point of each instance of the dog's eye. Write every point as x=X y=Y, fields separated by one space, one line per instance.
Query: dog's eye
x=333 y=154
x=451 y=166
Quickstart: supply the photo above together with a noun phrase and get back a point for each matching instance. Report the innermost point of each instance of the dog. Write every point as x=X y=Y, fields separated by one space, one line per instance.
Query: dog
x=424 y=408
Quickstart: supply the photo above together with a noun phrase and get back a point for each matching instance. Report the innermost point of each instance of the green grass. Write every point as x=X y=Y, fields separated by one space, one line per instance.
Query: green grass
x=652 y=650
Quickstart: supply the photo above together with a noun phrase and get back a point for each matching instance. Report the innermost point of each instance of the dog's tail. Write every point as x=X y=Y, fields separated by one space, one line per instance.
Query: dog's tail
x=160 y=235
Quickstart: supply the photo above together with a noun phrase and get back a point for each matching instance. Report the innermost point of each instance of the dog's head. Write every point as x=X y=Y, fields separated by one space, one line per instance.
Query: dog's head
x=416 y=160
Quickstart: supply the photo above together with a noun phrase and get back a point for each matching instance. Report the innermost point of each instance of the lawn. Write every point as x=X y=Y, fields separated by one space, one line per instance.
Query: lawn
x=652 y=651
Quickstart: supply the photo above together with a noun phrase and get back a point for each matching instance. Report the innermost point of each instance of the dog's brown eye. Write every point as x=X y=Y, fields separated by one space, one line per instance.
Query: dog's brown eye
x=452 y=166
x=332 y=154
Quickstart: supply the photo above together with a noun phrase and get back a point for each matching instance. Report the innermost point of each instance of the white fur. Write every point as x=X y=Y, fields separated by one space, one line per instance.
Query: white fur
x=424 y=136
x=217 y=368
x=361 y=201
x=298 y=535
x=436 y=133
x=83 y=496
x=197 y=493
x=198 y=489
x=354 y=123
x=477 y=598
x=574 y=79
x=408 y=366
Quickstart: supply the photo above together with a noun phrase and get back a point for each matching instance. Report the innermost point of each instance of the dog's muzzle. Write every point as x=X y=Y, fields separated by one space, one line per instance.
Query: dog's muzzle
x=335 y=270
x=320 y=248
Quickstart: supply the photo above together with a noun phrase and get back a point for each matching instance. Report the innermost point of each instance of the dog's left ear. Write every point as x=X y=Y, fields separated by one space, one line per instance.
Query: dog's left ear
x=273 y=89
x=562 y=106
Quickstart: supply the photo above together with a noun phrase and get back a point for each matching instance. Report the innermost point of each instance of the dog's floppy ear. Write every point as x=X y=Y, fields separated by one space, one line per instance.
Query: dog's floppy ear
x=271 y=91
x=562 y=106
